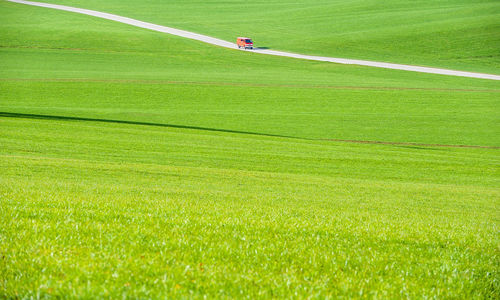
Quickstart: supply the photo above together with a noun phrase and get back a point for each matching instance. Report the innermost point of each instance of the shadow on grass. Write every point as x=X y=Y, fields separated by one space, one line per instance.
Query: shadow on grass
x=66 y=118
x=411 y=145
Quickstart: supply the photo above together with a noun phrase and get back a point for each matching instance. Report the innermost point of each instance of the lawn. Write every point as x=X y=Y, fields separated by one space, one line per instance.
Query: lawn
x=141 y=165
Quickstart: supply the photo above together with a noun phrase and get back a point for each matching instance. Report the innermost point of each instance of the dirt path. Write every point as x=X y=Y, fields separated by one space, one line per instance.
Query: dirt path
x=226 y=44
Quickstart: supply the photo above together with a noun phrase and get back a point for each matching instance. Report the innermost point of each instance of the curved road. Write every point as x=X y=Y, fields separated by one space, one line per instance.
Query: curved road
x=226 y=44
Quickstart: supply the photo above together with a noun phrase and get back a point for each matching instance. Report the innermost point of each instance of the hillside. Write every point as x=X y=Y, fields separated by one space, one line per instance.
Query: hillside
x=455 y=34
x=121 y=72
x=141 y=165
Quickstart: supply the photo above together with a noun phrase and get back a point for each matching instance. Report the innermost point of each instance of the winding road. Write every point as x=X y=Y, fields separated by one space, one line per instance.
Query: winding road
x=226 y=44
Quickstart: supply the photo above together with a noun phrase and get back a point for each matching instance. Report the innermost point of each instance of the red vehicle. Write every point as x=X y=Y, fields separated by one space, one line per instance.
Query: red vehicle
x=244 y=42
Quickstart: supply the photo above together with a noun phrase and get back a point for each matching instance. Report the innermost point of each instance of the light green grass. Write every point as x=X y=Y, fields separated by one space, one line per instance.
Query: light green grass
x=110 y=210
x=102 y=209
x=460 y=34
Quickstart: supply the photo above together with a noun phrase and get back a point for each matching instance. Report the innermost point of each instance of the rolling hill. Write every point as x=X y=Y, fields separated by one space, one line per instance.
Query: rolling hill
x=142 y=165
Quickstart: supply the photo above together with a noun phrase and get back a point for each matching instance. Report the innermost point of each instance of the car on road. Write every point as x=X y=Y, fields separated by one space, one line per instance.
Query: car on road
x=244 y=42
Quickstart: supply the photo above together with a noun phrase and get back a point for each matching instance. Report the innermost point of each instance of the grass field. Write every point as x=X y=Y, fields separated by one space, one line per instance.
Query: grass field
x=457 y=34
x=136 y=164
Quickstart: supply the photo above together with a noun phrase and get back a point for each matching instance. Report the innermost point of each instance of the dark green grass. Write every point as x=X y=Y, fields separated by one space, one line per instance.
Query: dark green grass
x=44 y=43
x=148 y=76
x=158 y=199
x=460 y=34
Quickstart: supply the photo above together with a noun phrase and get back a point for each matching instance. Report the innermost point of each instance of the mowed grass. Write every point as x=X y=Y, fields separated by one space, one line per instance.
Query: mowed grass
x=183 y=208
x=460 y=34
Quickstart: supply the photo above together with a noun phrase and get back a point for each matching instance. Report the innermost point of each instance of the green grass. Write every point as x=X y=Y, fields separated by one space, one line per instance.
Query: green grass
x=103 y=210
x=120 y=72
x=465 y=118
x=156 y=198
x=460 y=34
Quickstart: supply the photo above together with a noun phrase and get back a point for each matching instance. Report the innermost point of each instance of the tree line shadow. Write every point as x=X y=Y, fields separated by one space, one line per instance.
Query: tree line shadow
x=68 y=118
x=394 y=144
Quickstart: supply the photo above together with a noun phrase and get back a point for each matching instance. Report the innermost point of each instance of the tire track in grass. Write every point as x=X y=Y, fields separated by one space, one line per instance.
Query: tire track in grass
x=245 y=84
x=226 y=44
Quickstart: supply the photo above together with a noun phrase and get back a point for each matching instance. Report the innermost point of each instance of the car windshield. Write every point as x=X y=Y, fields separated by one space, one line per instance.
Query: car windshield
x=248 y=41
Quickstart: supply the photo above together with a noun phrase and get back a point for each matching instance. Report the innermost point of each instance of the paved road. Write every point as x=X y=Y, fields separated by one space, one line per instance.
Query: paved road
x=226 y=44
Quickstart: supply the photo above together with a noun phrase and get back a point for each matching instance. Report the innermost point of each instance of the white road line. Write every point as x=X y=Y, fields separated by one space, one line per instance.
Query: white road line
x=226 y=44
